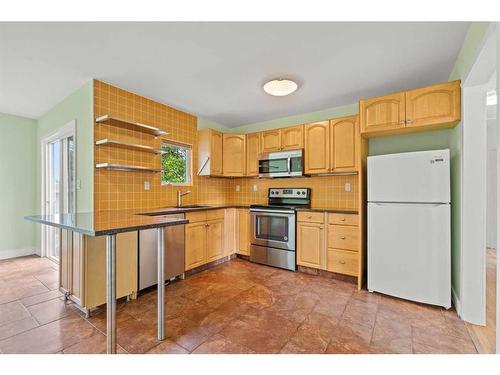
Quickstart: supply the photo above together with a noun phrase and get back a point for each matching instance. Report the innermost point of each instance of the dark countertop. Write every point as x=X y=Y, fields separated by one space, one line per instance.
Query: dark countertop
x=102 y=223
x=180 y=210
x=330 y=210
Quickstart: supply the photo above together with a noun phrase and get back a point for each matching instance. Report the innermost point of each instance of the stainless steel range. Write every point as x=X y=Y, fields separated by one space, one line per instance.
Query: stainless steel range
x=273 y=227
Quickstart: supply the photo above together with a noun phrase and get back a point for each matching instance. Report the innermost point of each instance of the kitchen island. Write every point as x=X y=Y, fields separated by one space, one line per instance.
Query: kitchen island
x=109 y=223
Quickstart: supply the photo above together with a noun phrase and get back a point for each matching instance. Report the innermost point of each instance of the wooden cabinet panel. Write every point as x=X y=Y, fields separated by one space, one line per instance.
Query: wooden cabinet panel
x=343 y=237
x=243 y=243
x=311 y=217
x=230 y=231
x=384 y=113
x=344 y=262
x=197 y=216
x=214 y=214
x=234 y=153
x=215 y=240
x=65 y=263
x=311 y=245
x=95 y=268
x=292 y=138
x=195 y=244
x=344 y=143
x=432 y=105
x=253 y=151
x=77 y=278
x=343 y=219
x=317 y=147
x=209 y=152
x=270 y=140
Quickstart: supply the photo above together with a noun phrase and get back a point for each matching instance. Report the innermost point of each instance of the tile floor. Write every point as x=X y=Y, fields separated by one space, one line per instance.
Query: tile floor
x=237 y=307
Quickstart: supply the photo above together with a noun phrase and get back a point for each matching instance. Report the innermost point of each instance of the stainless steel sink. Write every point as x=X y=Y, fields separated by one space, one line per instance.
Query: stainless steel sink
x=172 y=210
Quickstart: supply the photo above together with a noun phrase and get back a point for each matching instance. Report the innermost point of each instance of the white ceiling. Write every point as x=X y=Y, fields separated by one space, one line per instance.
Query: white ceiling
x=216 y=70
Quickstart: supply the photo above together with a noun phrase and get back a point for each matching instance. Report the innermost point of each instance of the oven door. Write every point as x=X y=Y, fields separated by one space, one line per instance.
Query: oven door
x=273 y=228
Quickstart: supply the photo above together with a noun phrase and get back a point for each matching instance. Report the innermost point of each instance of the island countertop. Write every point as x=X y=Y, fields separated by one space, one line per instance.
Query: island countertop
x=101 y=223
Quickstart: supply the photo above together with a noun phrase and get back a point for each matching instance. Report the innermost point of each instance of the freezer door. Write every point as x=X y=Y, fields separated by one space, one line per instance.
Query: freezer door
x=410 y=177
x=409 y=251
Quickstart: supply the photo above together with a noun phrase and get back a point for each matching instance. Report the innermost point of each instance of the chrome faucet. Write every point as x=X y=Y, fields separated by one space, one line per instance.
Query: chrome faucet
x=179 y=196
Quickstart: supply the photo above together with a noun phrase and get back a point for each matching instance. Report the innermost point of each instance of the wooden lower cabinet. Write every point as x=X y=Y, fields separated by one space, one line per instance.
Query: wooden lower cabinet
x=311 y=244
x=243 y=232
x=230 y=224
x=195 y=245
x=83 y=267
x=343 y=261
x=204 y=238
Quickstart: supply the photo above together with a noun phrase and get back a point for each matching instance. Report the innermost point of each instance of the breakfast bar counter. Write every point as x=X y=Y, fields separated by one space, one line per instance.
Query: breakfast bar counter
x=109 y=223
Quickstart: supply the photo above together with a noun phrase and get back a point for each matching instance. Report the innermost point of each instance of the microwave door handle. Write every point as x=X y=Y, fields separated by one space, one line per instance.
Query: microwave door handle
x=289 y=165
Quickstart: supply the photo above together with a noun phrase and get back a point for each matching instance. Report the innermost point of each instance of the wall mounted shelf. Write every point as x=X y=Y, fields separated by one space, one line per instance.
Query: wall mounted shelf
x=115 y=121
x=127 y=168
x=129 y=146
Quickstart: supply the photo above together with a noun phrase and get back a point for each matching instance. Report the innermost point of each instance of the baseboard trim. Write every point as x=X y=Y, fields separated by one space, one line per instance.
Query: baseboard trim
x=456 y=302
x=16 y=253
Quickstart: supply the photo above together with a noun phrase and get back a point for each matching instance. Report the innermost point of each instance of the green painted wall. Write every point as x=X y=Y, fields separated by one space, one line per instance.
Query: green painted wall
x=18 y=185
x=77 y=106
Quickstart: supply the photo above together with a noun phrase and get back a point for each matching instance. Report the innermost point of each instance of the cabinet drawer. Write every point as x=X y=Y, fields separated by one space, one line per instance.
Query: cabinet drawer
x=196 y=216
x=214 y=214
x=311 y=217
x=343 y=219
x=342 y=261
x=343 y=237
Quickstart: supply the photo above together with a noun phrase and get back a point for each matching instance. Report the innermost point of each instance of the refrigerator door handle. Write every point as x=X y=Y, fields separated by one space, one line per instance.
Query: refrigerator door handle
x=410 y=204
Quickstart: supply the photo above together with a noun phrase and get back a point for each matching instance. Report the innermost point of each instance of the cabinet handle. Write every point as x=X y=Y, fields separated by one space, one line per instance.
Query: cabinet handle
x=343 y=219
x=342 y=261
x=409 y=121
x=402 y=121
x=342 y=238
x=321 y=228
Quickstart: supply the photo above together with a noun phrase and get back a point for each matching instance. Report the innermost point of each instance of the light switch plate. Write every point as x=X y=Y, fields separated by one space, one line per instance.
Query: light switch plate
x=254 y=188
x=147 y=185
x=347 y=186
x=237 y=187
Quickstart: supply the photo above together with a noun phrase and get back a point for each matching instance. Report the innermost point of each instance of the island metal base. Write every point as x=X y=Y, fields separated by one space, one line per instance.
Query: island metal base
x=111 y=290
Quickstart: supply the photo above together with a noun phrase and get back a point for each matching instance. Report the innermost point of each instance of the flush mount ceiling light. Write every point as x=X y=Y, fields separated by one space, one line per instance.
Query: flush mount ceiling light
x=491 y=97
x=280 y=87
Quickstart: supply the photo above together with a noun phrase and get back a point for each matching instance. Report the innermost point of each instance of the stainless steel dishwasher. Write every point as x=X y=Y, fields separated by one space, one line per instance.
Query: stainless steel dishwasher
x=174 y=253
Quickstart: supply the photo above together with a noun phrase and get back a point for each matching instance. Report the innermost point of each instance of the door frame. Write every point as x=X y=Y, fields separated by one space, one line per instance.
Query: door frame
x=472 y=294
x=68 y=130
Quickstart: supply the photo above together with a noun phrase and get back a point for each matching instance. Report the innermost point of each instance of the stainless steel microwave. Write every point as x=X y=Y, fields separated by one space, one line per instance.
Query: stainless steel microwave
x=281 y=164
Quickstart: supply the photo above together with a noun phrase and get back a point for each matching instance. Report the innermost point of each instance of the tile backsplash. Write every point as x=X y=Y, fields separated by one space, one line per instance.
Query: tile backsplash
x=125 y=190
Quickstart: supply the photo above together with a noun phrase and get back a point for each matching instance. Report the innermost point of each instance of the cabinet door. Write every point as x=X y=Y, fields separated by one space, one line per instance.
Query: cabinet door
x=215 y=240
x=382 y=114
x=216 y=141
x=65 y=261
x=233 y=159
x=195 y=245
x=317 y=147
x=311 y=245
x=229 y=231
x=292 y=138
x=253 y=150
x=270 y=140
x=344 y=134
x=433 y=105
x=243 y=243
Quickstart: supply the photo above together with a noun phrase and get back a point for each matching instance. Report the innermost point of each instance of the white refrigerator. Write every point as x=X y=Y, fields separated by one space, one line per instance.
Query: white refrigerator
x=409 y=239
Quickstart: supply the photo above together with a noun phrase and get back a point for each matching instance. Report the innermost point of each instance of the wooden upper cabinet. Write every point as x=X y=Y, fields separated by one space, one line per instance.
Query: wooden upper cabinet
x=234 y=155
x=384 y=113
x=292 y=138
x=253 y=150
x=270 y=140
x=317 y=147
x=433 y=105
x=344 y=133
x=210 y=152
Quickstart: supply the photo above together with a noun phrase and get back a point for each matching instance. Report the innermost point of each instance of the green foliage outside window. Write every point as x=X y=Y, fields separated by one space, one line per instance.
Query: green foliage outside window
x=175 y=164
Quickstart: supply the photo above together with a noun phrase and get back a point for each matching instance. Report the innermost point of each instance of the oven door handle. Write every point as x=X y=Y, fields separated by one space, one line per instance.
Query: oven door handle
x=288 y=212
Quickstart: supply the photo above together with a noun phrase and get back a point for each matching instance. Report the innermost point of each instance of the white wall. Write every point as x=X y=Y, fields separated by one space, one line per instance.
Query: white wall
x=491 y=184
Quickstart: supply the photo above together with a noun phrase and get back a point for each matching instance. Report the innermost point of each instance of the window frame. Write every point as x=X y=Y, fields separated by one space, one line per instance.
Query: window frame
x=189 y=163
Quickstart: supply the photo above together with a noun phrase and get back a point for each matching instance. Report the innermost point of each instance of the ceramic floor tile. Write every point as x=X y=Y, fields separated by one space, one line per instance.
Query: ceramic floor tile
x=219 y=344
x=51 y=310
x=12 y=311
x=33 y=300
x=19 y=326
x=167 y=347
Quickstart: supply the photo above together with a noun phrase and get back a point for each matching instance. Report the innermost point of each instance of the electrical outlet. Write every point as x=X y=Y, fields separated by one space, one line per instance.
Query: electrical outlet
x=147 y=185
x=347 y=186
x=78 y=184
x=254 y=188
x=237 y=187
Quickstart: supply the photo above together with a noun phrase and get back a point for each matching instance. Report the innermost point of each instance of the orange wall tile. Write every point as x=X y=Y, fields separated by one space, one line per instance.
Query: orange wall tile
x=125 y=190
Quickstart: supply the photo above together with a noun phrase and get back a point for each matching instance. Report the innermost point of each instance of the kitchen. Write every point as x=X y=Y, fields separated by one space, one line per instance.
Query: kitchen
x=265 y=232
